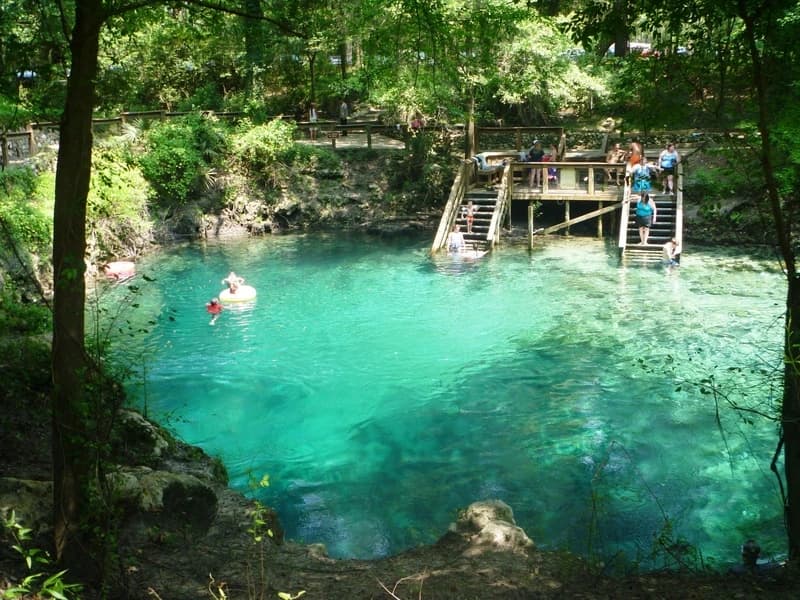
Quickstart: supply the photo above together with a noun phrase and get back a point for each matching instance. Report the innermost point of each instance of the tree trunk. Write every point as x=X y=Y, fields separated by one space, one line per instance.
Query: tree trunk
x=790 y=409
x=72 y=446
x=621 y=29
x=790 y=417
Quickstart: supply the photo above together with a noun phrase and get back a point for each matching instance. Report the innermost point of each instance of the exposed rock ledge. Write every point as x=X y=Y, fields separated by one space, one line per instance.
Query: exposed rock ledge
x=182 y=525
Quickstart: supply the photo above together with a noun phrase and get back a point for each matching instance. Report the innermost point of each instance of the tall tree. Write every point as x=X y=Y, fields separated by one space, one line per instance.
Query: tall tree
x=76 y=452
x=771 y=52
x=72 y=443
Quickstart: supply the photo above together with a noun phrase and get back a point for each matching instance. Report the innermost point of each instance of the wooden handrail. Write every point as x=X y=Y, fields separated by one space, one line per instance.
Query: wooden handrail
x=503 y=195
x=451 y=208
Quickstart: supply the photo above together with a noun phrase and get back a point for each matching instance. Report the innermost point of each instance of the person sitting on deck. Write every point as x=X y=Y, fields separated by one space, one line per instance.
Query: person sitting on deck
x=482 y=161
x=455 y=240
x=615 y=155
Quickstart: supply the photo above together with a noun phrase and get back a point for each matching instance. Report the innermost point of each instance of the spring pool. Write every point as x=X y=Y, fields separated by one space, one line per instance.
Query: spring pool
x=381 y=390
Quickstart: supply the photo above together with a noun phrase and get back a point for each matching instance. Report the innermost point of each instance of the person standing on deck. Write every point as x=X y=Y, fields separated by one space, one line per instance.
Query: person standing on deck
x=635 y=153
x=642 y=175
x=344 y=113
x=668 y=162
x=535 y=154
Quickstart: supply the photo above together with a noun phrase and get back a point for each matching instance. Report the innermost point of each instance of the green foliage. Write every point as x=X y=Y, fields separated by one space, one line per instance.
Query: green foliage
x=39 y=582
x=118 y=189
x=257 y=148
x=180 y=154
x=308 y=159
x=22 y=317
x=20 y=214
x=13 y=115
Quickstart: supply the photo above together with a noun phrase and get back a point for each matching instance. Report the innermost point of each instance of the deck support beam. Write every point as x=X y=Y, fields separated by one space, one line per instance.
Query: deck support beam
x=531 y=210
x=586 y=217
x=600 y=221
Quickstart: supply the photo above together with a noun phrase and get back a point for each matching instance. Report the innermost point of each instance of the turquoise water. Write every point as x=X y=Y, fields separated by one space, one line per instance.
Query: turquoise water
x=382 y=390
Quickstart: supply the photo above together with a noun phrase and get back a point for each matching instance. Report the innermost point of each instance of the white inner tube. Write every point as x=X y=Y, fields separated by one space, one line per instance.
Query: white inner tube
x=243 y=294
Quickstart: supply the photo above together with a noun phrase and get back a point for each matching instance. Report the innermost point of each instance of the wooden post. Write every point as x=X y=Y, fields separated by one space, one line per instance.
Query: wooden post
x=369 y=137
x=31 y=140
x=600 y=221
x=4 y=152
x=590 y=182
x=566 y=215
x=530 y=225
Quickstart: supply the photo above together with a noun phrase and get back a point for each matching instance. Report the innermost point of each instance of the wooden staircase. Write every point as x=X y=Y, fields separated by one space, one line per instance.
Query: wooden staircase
x=666 y=226
x=484 y=205
x=490 y=205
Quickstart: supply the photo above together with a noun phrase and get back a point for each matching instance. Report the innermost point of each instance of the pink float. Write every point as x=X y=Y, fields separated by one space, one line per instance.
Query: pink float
x=120 y=270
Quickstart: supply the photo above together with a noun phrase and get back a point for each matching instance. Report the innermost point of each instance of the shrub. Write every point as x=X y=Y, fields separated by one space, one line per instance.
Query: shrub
x=179 y=155
x=20 y=317
x=311 y=159
x=256 y=148
x=20 y=215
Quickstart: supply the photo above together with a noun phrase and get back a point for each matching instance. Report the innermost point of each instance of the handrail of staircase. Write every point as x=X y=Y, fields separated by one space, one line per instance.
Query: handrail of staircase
x=679 y=206
x=450 y=212
x=624 y=217
x=503 y=198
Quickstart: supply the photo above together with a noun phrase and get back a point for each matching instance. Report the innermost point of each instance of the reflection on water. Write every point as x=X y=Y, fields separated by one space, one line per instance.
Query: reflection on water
x=382 y=390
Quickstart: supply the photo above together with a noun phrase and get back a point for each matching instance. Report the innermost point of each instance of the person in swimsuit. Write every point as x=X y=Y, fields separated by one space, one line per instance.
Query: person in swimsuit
x=668 y=162
x=455 y=240
x=233 y=281
x=672 y=253
x=645 y=216
x=469 y=214
x=214 y=308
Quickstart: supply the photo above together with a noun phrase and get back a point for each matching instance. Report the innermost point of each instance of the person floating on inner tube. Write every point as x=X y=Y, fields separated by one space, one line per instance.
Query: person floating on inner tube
x=214 y=308
x=233 y=281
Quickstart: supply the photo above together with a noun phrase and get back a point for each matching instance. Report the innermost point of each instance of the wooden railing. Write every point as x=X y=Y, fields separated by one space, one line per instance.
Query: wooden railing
x=450 y=212
x=572 y=177
x=503 y=204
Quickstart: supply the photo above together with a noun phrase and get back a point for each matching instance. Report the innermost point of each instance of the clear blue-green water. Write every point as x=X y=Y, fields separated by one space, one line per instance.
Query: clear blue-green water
x=381 y=390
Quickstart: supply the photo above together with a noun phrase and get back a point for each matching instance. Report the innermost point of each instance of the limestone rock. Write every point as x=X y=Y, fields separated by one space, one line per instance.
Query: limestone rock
x=139 y=440
x=31 y=501
x=490 y=526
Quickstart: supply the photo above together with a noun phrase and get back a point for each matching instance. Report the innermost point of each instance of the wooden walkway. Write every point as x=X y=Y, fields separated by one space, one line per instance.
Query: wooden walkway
x=571 y=181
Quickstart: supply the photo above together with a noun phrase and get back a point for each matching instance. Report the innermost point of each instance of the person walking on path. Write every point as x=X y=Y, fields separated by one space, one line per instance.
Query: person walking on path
x=312 y=120
x=344 y=113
